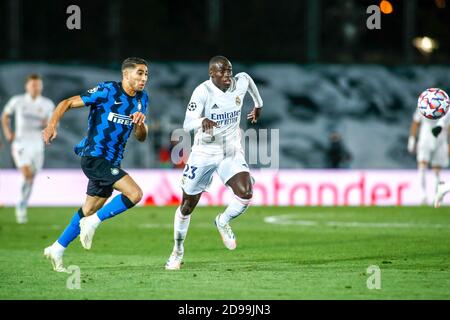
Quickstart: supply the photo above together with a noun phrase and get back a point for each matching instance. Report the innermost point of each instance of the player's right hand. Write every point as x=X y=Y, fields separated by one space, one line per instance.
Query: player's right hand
x=138 y=118
x=48 y=134
x=208 y=125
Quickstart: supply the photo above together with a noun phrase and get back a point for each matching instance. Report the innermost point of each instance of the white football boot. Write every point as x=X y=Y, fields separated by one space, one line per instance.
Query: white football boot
x=441 y=191
x=55 y=258
x=228 y=238
x=87 y=231
x=175 y=260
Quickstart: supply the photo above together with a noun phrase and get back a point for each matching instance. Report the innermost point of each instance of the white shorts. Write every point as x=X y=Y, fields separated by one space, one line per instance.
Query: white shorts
x=436 y=157
x=28 y=154
x=199 y=170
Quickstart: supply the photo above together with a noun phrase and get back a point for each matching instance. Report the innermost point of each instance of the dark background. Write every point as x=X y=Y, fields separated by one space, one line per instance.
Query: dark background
x=318 y=67
x=308 y=31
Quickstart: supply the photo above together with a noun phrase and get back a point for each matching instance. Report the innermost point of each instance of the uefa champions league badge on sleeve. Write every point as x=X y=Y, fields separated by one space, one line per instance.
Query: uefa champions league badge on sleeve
x=93 y=90
x=114 y=171
x=192 y=106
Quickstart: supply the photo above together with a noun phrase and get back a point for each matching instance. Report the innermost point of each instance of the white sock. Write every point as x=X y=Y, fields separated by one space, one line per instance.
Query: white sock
x=58 y=248
x=25 y=193
x=234 y=209
x=180 y=229
x=423 y=181
x=436 y=181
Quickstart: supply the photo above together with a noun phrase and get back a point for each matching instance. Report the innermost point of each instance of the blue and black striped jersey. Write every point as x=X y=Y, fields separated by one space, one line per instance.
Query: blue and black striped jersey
x=109 y=122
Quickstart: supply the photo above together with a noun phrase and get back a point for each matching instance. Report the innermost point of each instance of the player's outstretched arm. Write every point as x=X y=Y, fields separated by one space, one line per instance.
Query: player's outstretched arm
x=254 y=115
x=412 y=136
x=50 y=133
x=9 y=109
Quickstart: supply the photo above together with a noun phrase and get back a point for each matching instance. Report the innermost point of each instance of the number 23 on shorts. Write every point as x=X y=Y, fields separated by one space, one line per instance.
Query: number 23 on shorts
x=190 y=169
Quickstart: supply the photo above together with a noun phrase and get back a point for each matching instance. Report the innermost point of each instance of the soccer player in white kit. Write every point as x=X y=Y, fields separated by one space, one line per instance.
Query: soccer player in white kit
x=32 y=112
x=432 y=147
x=214 y=113
x=439 y=130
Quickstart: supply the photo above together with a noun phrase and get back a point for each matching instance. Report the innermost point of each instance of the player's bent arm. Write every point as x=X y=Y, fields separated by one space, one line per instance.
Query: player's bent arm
x=6 y=120
x=413 y=129
x=62 y=107
x=192 y=124
x=50 y=133
x=141 y=132
x=412 y=136
x=8 y=110
x=194 y=119
x=253 y=90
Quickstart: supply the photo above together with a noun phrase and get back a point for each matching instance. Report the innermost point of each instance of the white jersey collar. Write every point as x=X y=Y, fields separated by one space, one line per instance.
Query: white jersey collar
x=30 y=99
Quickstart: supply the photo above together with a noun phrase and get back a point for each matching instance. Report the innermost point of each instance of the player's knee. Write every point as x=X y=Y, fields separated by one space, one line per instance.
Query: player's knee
x=28 y=175
x=135 y=196
x=88 y=211
x=245 y=193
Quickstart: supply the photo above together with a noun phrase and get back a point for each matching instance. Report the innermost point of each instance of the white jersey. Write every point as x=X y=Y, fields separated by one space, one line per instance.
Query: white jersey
x=426 y=137
x=224 y=108
x=31 y=117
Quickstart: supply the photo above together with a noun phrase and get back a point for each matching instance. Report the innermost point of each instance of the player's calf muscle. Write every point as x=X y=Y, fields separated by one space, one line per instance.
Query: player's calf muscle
x=187 y=206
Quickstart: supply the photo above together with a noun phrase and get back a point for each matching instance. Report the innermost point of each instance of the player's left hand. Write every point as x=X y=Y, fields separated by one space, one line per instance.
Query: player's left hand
x=138 y=118
x=48 y=134
x=254 y=115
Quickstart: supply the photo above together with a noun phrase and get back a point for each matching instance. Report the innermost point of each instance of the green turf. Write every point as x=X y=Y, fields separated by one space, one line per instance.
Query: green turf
x=272 y=261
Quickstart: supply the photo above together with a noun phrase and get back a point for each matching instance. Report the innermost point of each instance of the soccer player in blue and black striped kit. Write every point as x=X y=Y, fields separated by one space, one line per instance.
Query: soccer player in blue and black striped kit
x=116 y=110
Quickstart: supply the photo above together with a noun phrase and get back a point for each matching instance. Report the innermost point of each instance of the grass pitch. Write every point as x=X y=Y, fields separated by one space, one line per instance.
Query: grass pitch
x=283 y=253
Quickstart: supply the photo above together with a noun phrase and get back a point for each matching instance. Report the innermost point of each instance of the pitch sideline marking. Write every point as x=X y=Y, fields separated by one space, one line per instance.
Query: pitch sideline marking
x=292 y=219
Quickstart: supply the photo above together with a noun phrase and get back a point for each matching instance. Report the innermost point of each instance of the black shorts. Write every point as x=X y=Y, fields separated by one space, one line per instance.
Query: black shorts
x=102 y=175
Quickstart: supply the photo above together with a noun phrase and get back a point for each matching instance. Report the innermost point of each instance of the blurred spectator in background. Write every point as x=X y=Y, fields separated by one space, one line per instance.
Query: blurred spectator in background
x=337 y=154
x=31 y=112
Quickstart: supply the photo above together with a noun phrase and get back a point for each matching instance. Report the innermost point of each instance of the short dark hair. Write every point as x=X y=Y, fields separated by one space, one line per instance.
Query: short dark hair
x=217 y=59
x=132 y=62
x=32 y=76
